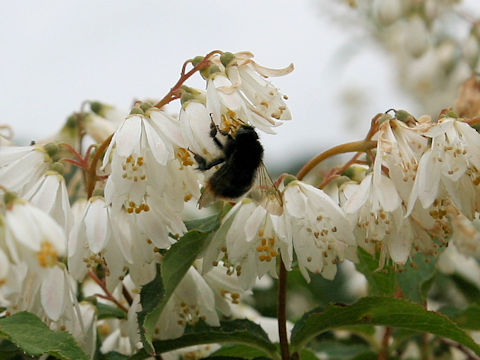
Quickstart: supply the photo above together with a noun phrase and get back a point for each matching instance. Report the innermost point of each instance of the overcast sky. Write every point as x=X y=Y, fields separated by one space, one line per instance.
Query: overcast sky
x=55 y=54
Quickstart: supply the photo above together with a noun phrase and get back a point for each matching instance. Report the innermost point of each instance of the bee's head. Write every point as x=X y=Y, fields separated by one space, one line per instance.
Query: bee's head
x=246 y=130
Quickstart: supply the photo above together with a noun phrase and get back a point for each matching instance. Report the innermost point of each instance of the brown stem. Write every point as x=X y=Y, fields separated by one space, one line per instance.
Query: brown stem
x=92 y=170
x=384 y=352
x=281 y=310
x=425 y=348
x=173 y=93
x=126 y=295
x=356 y=146
x=473 y=121
x=108 y=295
x=468 y=353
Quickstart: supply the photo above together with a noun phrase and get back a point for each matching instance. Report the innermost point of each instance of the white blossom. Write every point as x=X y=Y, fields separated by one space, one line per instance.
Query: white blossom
x=240 y=91
x=449 y=167
x=145 y=182
x=247 y=244
x=92 y=243
x=321 y=234
x=195 y=126
x=50 y=194
x=192 y=300
x=22 y=166
x=32 y=235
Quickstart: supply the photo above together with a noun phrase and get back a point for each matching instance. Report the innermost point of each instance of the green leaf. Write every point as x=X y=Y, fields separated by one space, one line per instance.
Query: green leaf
x=8 y=350
x=414 y=281
x=207 y=224
x=178 y=259
x=307 y=354
x=240 y=331
x=340 y=350
x=467 y=287
x=106 y=312
x=396 y=313
x=245 y=352
x=468 y=318
x=31 y=335
x=368 y=355
x=113 y=355
x=380 y=282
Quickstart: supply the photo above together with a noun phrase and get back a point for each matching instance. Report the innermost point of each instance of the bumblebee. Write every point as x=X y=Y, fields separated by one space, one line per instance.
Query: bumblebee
x=242 y=170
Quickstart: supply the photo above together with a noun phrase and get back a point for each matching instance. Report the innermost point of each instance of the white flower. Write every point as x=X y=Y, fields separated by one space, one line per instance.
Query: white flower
x=6 y=135
x=450 y=167
x=32 y=235
x=145 y=182
x=22 y=166
x=118 y=341
x=195 y=126
x=270 y=325
x=416 y=36
x=247 y=244
x=192 y=300
x=50 y=194
x=191 y=352
x=379 y=216
x=98 y=127
x=240 y=91
x=319 y=229
x=465 y=233
x=227 y=290
x=399 y=149
x=54 y=293
x=388 y=11
x=262 y=98
x=83 y=327
x=92 y=242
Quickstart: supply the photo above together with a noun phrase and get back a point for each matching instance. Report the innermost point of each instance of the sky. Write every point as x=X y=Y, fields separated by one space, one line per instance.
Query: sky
x=57 y=53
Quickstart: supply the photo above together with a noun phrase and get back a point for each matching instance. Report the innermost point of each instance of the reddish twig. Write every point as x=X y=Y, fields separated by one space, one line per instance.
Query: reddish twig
x=356 y=146
x=92 y=171
x=282 y=311
x=174 y=91
x=108 y=295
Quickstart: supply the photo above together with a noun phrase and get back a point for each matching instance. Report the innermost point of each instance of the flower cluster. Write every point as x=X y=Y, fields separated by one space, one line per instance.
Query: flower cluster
x=101 y=201
x=431 y=62
x=101 y=223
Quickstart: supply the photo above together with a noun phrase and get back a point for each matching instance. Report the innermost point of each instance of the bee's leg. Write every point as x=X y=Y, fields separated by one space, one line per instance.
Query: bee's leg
x=203 y=164
x=213 y=134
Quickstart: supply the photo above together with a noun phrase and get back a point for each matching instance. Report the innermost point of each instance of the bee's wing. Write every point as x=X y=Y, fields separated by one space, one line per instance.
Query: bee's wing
x=264 y=192
x=207 y=197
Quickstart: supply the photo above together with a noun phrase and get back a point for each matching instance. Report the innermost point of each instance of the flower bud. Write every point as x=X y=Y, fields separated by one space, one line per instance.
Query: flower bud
x=227 y=58
x=9 y=198
x=404 y=116
x=146 y=105
x=288 y=179
x=136 y=110
x=197 y=59
x=471 y=49
x=416 y=36
x=58 y=167
x=388 y=11
x=51 y=149
x=446 y=54
x=98 y=127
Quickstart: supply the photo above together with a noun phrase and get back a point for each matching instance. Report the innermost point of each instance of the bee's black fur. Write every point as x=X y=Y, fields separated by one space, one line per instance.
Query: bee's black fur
x=242 y=155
